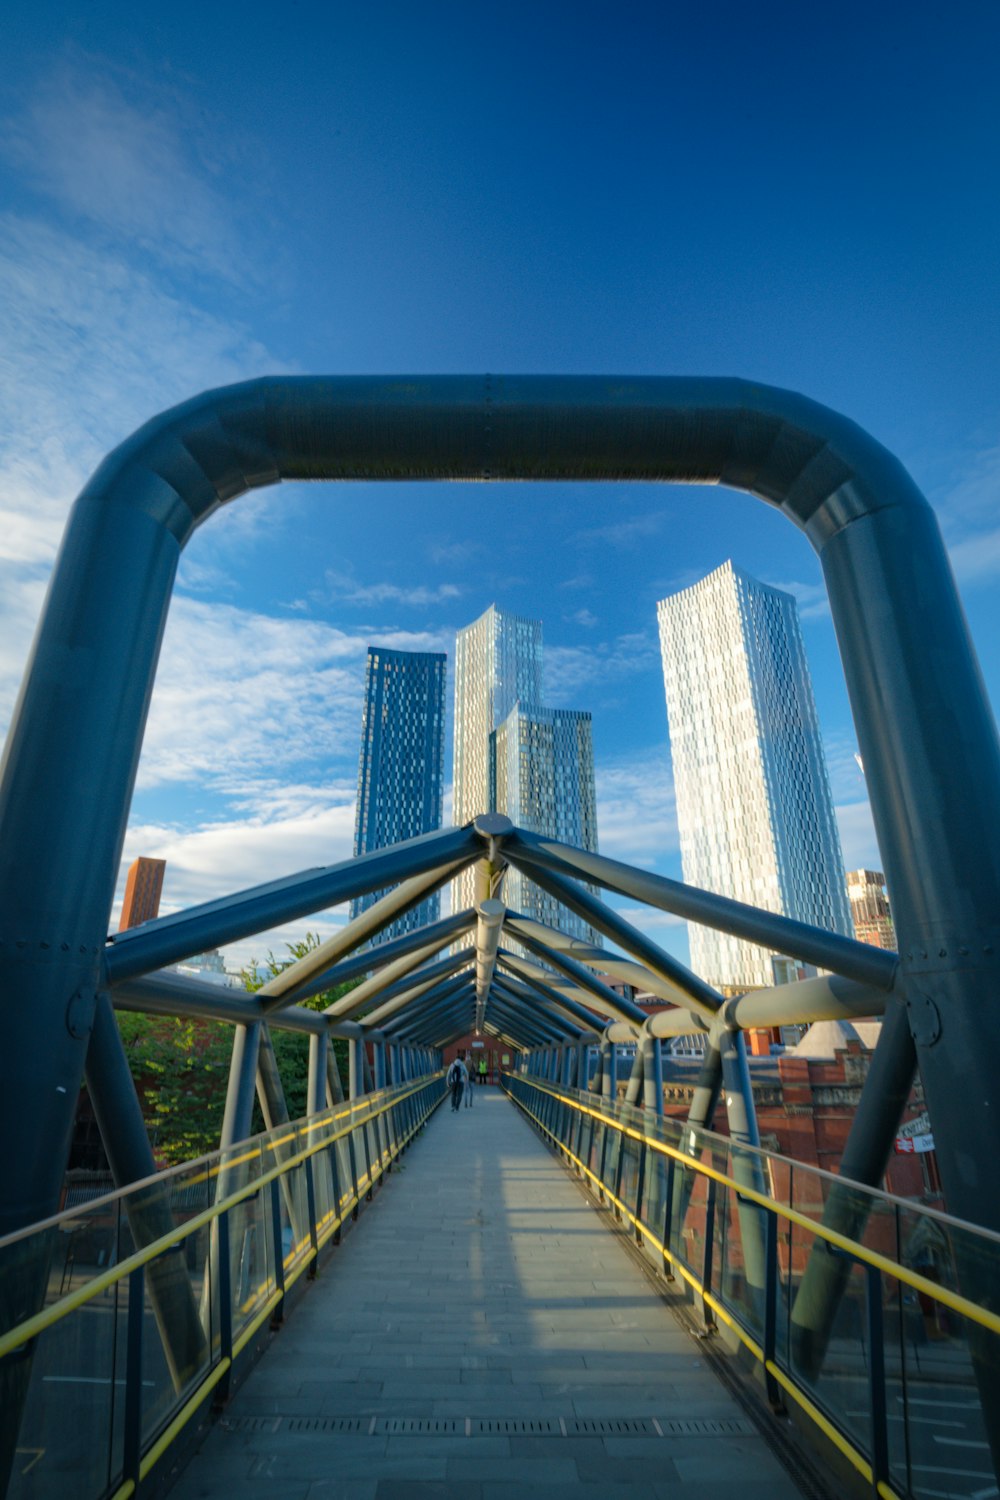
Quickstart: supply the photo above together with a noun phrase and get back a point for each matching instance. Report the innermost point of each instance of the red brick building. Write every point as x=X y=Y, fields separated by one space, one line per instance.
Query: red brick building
x=143 y=888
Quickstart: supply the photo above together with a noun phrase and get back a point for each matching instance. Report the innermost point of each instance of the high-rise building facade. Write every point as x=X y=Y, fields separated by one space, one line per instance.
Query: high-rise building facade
x=754 y=807
x=498 y=662
x=870 y=908
x=534 y=764
x=143 y=888
x=543 y=760
x=401 y=765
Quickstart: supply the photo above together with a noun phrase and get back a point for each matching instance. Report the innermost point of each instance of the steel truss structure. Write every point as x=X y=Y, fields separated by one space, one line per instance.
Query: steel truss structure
x=924 y=727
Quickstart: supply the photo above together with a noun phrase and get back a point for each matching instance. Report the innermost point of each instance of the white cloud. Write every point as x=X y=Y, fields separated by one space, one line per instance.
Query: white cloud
x=636 y=816
x=584 y=617
x=454 y=553
x=811 y=598
x=292 y=828
x=968 y=515
x=134 y=161
x=624 y=533
x=571 y=669
x=347 y=591
x=857 y=836
x=239 y=693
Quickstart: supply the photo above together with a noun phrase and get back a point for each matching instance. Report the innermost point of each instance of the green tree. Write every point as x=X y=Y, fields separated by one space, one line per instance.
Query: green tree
x=291 y=1048
x=181 y=1068
x=181 y=1065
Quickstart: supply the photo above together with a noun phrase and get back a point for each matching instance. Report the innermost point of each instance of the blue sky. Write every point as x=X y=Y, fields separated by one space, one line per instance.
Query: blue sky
x=194 y=195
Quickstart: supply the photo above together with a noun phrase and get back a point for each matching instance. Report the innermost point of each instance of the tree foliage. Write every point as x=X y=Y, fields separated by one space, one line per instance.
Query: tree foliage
x=291 y=1048
x=181 y=1065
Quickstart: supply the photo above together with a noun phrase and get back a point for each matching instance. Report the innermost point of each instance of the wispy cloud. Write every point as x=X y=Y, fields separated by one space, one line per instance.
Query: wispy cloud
x=239 y=692
x=136 y=161
x=857 y=836
x=624 y=533
x=584 y=617
x=968 y=514
x=811 y=598
x=347 y=590
x=636 y=815
x=454 y=554
x=289 y=829
x=571 y=669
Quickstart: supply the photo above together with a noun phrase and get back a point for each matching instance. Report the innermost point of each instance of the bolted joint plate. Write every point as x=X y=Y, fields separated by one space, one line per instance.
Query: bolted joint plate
x=924 y=1018
x=80 y=1012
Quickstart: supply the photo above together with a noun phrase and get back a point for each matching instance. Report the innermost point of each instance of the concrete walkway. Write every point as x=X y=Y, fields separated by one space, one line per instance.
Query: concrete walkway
x=481 y=1334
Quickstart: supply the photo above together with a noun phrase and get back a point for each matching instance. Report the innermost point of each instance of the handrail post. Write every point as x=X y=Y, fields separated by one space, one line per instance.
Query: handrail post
x=876 y=1378
x=706 y=1269
x=132 y=1425
x=278 y=1314
x=225 y=1309
x=771 y=1308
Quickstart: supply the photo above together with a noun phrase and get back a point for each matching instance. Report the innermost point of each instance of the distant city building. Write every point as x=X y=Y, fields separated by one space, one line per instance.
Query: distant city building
x=401 y=765
x=870 y=908
x=209 y=966
x=543 y=766
x=143 y=888
x=533 y=764
x=754 y=808
x=498 y=662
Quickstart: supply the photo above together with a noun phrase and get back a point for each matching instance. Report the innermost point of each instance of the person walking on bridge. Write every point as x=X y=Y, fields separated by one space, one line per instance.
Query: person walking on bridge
x=455 y=1080
x=469 y=1087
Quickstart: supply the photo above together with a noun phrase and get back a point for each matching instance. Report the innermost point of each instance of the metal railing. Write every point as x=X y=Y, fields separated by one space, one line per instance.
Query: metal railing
x=139 y=1327
x=892 y=1385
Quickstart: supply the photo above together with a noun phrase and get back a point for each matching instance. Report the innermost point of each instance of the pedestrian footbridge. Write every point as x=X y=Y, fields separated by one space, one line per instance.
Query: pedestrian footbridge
x=487 y=1328
x=394 y=1299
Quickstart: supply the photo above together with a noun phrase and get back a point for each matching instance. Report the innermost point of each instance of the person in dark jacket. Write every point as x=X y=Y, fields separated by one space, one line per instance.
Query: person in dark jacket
x=456 y=1082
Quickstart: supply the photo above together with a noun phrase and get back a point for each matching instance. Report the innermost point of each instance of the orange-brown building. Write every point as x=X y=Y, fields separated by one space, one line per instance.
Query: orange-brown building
x=143 y=888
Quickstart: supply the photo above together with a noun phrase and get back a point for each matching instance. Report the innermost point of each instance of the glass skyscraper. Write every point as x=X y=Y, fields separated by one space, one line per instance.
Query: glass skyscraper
x=754 y=807
x=543 y=761
x=534 y=764
x=401 y=765
x=498 y=662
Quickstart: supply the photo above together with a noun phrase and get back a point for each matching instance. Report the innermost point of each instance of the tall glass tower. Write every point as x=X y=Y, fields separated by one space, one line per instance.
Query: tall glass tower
x=754 y=807
x=401 y=765
x=534 y=764
x=543 y=761
x=498 y=662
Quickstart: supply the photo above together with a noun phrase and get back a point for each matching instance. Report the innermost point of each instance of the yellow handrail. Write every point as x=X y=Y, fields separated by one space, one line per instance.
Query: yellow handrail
x=33 y=1326
x=954 y=1300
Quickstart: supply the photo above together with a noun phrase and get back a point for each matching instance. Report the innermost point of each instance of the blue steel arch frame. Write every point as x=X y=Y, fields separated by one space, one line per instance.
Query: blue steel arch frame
x=923 y=721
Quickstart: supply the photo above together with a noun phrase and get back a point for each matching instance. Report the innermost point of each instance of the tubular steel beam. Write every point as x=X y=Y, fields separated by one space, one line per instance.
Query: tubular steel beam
x=387 y=908
x=534 y=988
x=396 y=1014
x=608 y=999
x=700 y=995
x=369 y=960
x=489 y=920
x=385 y=981
x=167 y=940
x=925 y=729
x=423 y=1027
x=552 y=1011
x=181 y=995
x=828 y=950
x=828 y=998
x=535 y=976
x=406 y=990
x=601 y=959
